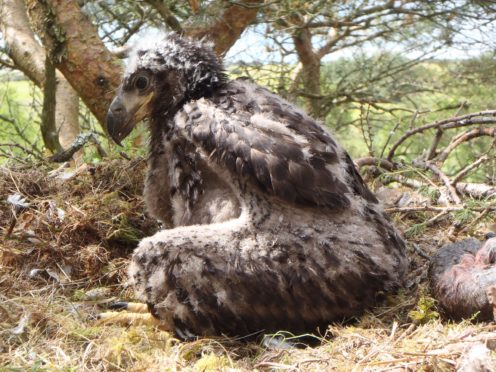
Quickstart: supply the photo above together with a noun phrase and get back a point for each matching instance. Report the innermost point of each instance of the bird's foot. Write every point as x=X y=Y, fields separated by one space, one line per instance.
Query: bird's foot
x=128 y=314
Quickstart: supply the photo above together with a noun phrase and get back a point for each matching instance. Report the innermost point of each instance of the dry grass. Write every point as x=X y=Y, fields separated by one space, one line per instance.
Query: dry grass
x=60 y=269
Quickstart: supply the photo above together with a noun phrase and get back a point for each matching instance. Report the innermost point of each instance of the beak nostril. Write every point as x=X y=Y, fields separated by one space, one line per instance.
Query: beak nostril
x=116 y=107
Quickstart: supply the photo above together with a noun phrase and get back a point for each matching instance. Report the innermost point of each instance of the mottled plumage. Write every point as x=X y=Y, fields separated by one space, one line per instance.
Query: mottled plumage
x=270 y=226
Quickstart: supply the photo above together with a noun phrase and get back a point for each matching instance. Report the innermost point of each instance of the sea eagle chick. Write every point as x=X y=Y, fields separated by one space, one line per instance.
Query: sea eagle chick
x=269 y=225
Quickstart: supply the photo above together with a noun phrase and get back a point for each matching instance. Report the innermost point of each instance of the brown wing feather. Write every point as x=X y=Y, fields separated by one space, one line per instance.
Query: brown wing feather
x=257 y=134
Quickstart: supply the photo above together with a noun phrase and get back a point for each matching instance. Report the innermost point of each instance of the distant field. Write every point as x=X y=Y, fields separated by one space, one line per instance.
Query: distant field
x=16 y=99
x=20 y=91
x=20 y=101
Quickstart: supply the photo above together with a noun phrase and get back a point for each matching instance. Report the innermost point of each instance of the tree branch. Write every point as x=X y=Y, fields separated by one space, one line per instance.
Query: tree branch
x=78 y=51
x=443 y=177
x=465 y=137
x=67 y=154
x=468 y=169
x=228 y=27
x=481 y=117
x=27 y=54
x=47 y=125
x=164 y=11
x=24 y=149
x=372 y=161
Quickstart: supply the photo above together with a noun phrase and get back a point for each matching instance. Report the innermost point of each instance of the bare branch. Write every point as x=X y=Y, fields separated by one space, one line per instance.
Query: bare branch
x=77 y=145
x=371 y=161
x=468 y=169
x=24 y=149
x=166 y=14
x=435 y=144
x=476 y=190
x=464 y=137
x=391 y=133
x=482 y=117
x=228 y=27
x=8 y=120
x=443 y=177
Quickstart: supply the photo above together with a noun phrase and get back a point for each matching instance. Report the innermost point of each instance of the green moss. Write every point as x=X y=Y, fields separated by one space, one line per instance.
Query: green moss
x=82 y=333
x=124 y=231
x=424 y=311
x=78 y=295
x=211 y=362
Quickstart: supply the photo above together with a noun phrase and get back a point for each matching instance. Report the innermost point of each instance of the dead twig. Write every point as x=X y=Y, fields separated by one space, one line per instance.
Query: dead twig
x=465 y=137
x=13 y=222
x=443 y=177
x=76 y=145
x=476 y=118
x=435 y=144
x=468 y=169
x=366 y=130
x=274 y=365
x=476 y=220
x=439 y=135
x=372 y=161
x=420 y=252
x=476 y=190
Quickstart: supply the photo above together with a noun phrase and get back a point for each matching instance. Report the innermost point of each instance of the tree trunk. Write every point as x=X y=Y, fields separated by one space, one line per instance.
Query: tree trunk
x=48 y=127
x=29 y=57
x=228 y=27
x=78 y=51
x=85 y=61
x=307 y=79
x=26 y=53
x=67 y=115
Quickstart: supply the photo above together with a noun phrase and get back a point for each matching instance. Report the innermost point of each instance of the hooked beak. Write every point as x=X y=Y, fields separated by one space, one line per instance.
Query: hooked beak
x=125 y=111
x=119 y=122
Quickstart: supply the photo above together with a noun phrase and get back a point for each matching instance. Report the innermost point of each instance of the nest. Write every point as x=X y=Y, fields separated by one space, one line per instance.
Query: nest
x=68 y=235
x=75 y=223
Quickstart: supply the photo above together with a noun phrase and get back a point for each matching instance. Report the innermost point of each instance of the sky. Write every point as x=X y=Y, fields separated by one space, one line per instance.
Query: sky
x=253 y=47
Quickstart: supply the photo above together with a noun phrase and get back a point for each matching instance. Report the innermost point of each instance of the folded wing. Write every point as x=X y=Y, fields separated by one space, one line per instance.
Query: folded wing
x=258 y=135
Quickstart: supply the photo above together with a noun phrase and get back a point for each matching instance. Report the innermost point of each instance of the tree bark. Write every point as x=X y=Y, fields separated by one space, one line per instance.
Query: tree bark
x=308 y=77
x=67 y=115
x=90 y=67
x=163 y=9
x=22 y=47
x=86 y=63
x=48 y=127
x=228 y=27
x=79 y=53
x=28 y=57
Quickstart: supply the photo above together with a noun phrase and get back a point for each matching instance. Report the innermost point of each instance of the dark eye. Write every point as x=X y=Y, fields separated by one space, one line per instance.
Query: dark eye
x=141 y=82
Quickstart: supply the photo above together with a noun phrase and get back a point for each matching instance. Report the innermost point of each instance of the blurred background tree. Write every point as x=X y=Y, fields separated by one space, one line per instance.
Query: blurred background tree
x=370 y=70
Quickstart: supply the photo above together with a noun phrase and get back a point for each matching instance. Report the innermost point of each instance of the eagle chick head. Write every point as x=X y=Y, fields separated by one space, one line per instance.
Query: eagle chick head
x=159 y=78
